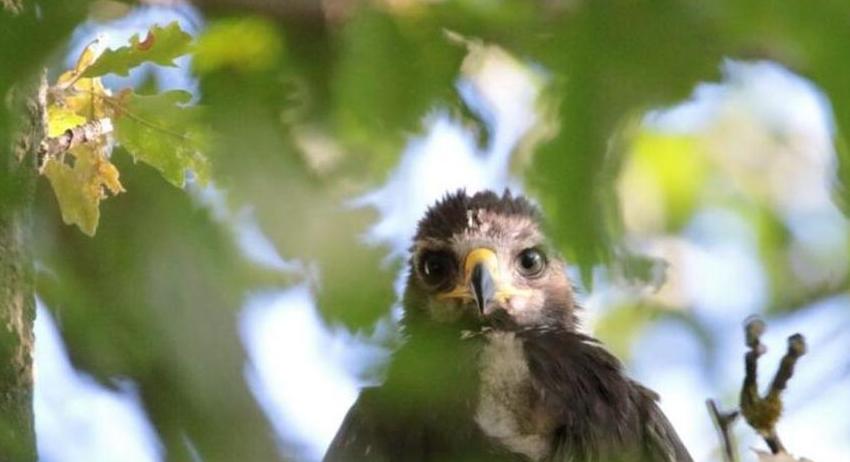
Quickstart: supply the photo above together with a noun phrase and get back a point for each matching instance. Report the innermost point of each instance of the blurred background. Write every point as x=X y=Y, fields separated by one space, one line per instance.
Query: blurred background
x=688 y=156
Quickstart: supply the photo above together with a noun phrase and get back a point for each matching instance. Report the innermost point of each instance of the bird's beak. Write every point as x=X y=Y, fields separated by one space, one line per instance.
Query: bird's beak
x=483 y=281
x=481 y=271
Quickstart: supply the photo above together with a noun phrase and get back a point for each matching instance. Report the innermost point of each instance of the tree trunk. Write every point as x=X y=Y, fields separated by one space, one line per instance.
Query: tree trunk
x=18 y=173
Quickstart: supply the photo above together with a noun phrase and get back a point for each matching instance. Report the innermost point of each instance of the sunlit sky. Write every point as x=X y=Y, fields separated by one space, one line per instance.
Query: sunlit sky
x=305 y=374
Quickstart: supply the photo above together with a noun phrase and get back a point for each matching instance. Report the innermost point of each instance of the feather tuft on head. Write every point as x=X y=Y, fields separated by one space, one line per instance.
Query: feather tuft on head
x=452 y=214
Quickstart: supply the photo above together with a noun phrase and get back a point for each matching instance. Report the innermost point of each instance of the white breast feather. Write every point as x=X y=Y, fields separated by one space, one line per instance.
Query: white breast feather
x=504 y=396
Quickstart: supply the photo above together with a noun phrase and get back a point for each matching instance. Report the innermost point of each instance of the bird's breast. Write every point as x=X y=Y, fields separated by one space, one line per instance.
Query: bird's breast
x=509 y=409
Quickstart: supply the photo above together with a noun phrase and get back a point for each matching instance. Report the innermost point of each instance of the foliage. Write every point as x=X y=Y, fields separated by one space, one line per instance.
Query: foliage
x=158 y=130
x=161 y=46
x=294 y=119
x=162 y=131
x=241 y=44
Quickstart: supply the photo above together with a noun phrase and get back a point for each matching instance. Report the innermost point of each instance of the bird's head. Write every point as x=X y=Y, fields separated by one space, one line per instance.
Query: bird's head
x=484 y=259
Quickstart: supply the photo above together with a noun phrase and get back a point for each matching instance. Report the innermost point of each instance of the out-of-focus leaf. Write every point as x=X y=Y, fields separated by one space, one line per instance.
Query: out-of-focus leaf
x=80 y=188
x=620 y=326
x=665 y=172
x=391 y=71
x=786 y=290
x=258 y=161
x=809 y=38
x=109 y=10
x=164 y=132
x=647 y=271
x=161 y=46
x=356 y=280
x=241 y=44
x=153 y=298
x=50 y=22
x=612 y=61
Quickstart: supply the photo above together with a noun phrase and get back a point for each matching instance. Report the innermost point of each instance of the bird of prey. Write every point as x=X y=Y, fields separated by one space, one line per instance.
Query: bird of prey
x=493 y=366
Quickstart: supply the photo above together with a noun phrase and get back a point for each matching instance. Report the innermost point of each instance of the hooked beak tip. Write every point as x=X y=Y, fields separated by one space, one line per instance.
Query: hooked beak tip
x=483 y=286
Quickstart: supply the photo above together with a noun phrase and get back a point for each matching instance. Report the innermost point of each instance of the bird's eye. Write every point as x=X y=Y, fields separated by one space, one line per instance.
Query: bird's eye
x=437 y=268
x=531 y=262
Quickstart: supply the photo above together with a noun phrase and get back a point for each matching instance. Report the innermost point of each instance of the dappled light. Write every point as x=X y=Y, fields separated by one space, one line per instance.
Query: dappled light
x=217 y=203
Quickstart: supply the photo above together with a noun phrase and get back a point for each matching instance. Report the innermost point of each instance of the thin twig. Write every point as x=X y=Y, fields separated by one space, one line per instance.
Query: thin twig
x=55 y=146
x=115 y=104
x=723 y=422
x=753 y=329
x=796 y=348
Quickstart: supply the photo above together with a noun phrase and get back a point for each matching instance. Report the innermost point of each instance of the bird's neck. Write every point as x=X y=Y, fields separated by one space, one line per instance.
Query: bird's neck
x=439 y=358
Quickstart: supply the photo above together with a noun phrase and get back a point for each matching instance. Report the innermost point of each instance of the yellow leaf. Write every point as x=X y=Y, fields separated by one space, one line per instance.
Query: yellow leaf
x=87 y=98
x=60 y=119
x=87 y=57
x=108 y=176
x=81 y=95
x=79 y=189
x=77 y=208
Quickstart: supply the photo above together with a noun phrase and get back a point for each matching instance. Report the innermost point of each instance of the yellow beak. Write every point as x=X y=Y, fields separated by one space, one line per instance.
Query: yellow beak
x=483 y=281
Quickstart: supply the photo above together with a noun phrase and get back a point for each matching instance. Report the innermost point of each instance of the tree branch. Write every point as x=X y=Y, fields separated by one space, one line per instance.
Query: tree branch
x=17 y=300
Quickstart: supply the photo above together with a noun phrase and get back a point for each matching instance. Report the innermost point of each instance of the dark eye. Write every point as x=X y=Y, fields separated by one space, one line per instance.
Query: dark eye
x=531 y=262
x=437 y=268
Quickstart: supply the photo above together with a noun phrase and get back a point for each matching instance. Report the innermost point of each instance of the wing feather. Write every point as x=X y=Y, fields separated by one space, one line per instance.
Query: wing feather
x=662 y=443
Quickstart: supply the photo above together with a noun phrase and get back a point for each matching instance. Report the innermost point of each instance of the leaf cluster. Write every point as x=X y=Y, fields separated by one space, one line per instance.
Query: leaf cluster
x=160 y=130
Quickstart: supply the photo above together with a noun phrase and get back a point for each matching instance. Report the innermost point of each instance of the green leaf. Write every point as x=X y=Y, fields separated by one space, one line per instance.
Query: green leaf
x=190 y=379
x=391 y=71
x=164 y=132
x=161 y=46
x=653 y=52
x=242 y=44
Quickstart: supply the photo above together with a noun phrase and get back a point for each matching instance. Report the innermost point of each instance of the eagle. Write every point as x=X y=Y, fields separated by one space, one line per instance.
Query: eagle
x=493 y=365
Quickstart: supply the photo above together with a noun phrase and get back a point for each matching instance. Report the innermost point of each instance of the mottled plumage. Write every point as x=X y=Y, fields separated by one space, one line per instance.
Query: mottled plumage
x=493 y=367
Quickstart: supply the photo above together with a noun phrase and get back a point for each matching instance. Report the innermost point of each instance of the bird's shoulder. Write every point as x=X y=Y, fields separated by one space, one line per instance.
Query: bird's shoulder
x=596 y=403
x=354 y=439
x=402 y=420
x=661 y=442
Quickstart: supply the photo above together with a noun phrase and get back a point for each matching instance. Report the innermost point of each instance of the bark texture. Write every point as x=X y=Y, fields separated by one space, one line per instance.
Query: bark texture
x=17 y=300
